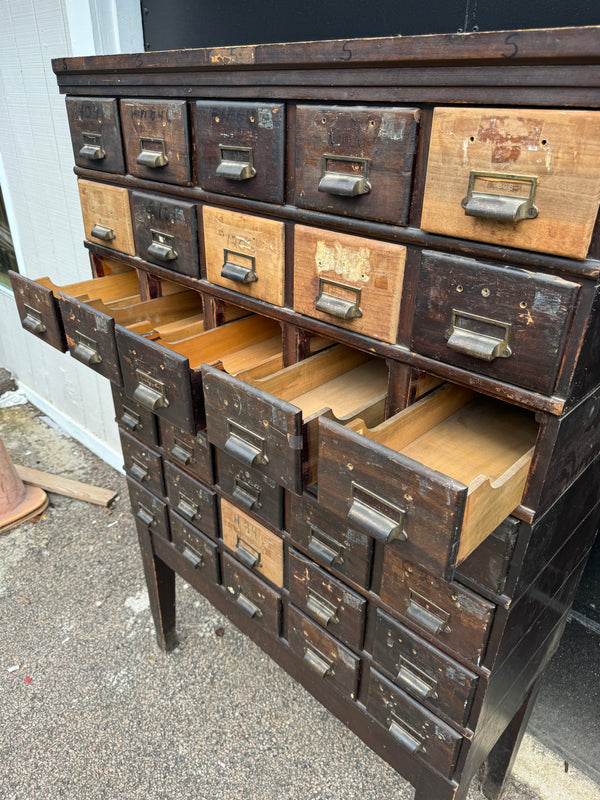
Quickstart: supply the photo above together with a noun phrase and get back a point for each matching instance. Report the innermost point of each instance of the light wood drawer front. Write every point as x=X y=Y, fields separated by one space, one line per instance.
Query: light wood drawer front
x=166 y=232
x=96 y=133
x=413 y=727
x=432 y=481
x=134 y=418
x=193 y=501
x=199 y=551
x=422 y=671
x=326 y=600
x=509 y=324
x=502 y=176
x=330 y=660
x=356 y=161
x=190 y=453
x=254 y=545
x=251 y=595
x=142 y=463
x=240 y=148
x=249 y=489
x=155 y=136
x=149 y=512
x=455 y=616
x=107 y=216
x=349 y=281
x=245 y=253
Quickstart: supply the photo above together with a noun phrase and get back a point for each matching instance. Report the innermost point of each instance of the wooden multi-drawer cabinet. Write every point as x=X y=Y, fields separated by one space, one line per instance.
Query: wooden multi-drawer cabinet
x=347 y=295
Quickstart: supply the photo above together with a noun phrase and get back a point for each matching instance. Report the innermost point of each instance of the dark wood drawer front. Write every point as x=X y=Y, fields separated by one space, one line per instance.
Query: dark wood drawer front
x=257 y=429
x=355 y=161
x=327 y=600
x=90 y=335
x=38 y=311
x=96 y=133
x=249 y=489
x=422 y=671
x=330 y=660
x=134 y=418
x=454 y=615
x=149 y=512
x=249 y=593
x=330 y=543
x=166 y=232
x=142 y=463
x=412 y=727
x=192 y=500
x=188 y=451
x=509 y=324
x=240 y=148
x=488 y=564
x=155 y=136
x=199 y=551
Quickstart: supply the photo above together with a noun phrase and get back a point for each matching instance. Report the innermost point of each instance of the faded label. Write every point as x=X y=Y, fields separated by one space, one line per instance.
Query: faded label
x=231 y=55
x=392 y=127
x=265 y=118
x=352 y=264
x=509 y=136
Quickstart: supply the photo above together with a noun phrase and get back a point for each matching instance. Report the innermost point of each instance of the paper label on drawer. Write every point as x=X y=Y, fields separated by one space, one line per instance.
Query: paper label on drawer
x=352 y=264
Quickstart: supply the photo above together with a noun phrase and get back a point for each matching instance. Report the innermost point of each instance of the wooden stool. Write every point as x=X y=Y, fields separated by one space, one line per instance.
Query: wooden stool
x=18 y=502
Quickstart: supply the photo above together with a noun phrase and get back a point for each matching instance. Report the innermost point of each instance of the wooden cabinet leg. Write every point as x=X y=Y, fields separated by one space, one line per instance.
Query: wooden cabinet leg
x=160 y=580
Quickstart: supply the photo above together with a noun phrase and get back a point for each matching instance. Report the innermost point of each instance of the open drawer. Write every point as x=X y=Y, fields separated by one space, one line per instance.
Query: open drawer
x=38 y=307
x=164 y=376
x=270 y=423
x=433 y=480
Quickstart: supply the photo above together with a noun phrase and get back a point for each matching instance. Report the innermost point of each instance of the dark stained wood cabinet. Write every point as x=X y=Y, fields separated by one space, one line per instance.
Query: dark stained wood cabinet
x=353 y=334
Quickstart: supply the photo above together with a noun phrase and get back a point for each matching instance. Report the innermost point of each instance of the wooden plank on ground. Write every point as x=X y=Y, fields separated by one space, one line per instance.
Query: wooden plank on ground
x=61 y=485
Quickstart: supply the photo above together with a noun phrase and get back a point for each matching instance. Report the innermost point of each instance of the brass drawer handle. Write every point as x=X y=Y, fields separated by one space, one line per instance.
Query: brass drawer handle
x=344 y=184
x=187 y=508
x=232 y=270
x=247 y=496
x=145 y=516
x=138 y=470
x=233 y=168
x=336 y=306
x=248 y=606
x=247 y=554
x=131 y=420
x=103 y=233
x=244 y=445
x=86 y=350
x=180 y=454
x=320 y=608
x=149 y=392
x=426 y=614
x=192 y=555
x=407 y=739
x=32 y=321
x=500 y=207
x=162 y=247
x=153 y=152
x=373 y=514
x=328 y=552
x=484 y=344
x=92 y=147
x=415 y=684
x=317 y=663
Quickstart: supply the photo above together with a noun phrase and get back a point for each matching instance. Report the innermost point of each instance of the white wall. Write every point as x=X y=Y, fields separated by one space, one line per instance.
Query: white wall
x=40 y=193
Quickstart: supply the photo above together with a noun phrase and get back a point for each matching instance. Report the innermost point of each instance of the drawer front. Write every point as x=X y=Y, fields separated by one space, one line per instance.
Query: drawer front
x=149 y=512
x=327 y=600
x=349 y=281
x=192 y=500
x=155 y=135
x=38 y=311
x=257 y=429
x=96 y=133
x=329 y=542
x=142 y=463
x=107 y=216
x=412 y=727
x=422 y=671
x=250 y=594
x=90 y=335
x=240 y=148
x=134 y=418
x=489 y=564
x=509 y=324
x=199 y=551
x=245 y=253
x=356 y=161
x=249 y=489
x=330 y=660
x=254 y=545
x=166 y=232
x=190 y=453
x=455 y=616
x=502 y=176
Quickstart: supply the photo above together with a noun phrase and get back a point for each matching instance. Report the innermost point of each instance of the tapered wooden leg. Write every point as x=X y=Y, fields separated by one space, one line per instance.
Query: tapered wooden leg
x=160 y=580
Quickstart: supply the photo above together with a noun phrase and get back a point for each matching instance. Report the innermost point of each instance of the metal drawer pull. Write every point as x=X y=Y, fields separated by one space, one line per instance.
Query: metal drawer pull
x=153 y=152
x=335 y=306
x=376 y=516
x=130 y=420
x=324 y=611
x=239 y=273
x=92 y=147
x=138 y=470
x=479 y=344
x=317 y=663
x=421 y=611
x=235 y=169
x=323 y=551
x=32 y=321
x=344 y=184
x=191 y=555
x=244 y=445
x=103 y=233
x=180 y=454
x=187 y=508
x=501 y=207
x=407 y=739
x=145 y=516
x=248 y=606
x=150 y=393
x=415 y=684
x=86 y=350
x=161 y=246
x=247 y=554
x=247 y=496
